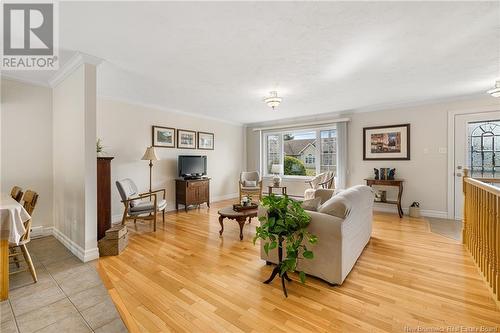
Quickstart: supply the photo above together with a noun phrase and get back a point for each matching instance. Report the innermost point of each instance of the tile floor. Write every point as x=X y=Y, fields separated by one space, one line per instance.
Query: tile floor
x=448 y=228
x=68 y=297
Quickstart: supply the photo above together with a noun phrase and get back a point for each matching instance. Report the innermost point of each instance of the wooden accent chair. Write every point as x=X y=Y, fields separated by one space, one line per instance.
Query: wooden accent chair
x=135 y=207
x=30 y=199
x=16 y=193
x=325 y=180
x=250 y=184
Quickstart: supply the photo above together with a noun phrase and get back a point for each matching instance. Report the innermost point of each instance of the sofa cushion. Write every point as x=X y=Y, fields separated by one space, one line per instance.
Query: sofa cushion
x=336 y=206
x=311 y=204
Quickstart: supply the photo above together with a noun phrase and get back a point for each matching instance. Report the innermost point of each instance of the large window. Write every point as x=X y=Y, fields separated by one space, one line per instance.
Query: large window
x=301 y=152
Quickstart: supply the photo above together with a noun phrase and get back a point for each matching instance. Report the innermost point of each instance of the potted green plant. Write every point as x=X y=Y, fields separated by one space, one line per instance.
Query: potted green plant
x=284 y=227
x=99 y=147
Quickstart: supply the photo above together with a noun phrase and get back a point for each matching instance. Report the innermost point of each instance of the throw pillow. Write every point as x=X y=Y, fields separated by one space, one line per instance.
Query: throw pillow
x=250 y=183
x=311 y=204
x=336 y=206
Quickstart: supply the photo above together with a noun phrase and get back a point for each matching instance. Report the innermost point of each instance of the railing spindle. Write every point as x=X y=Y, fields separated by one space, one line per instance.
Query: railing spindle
x=481 y=228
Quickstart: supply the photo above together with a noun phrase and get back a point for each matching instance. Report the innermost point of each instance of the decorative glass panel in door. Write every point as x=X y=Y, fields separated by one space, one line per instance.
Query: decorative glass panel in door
x=484 y=148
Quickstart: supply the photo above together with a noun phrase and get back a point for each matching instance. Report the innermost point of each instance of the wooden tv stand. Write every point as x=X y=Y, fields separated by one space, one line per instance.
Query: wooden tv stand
x=192 y=192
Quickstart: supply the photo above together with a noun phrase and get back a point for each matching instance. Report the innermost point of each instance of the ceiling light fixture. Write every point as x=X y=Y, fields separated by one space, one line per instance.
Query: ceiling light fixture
x=273 y=100
x=495 y=92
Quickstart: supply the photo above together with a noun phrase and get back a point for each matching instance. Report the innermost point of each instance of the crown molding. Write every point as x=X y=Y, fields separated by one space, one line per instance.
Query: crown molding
x=325 y=116
x=12 y=77
x=75 y=62
x=162 y=108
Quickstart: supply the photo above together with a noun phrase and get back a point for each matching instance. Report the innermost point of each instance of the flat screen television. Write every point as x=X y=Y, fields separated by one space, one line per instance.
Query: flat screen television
x=192 y=166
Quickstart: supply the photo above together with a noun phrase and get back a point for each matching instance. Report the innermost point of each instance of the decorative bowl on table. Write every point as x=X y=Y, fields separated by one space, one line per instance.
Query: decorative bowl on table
x=239 y=207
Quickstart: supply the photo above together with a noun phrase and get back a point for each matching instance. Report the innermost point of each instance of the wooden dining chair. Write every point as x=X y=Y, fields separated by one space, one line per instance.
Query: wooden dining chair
x=30 y=199
x=16 y=193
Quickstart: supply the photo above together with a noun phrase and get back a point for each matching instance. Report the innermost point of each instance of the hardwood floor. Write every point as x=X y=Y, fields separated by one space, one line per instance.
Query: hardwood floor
x=185 y=278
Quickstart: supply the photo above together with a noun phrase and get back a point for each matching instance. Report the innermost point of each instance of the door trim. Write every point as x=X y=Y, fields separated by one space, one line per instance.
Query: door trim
x=451 y=151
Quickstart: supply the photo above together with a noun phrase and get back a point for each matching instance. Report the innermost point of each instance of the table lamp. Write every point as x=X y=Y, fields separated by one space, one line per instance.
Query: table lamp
x=276 y=170
x=150 y=155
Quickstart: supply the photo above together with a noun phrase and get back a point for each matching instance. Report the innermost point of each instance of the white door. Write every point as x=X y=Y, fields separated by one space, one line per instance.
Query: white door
x=463 y=159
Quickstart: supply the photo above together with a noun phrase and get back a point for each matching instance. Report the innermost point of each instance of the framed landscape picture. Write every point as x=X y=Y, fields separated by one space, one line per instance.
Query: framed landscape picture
x=386 y=142
x=163 y=137
x=205 y=140
x=186 y=139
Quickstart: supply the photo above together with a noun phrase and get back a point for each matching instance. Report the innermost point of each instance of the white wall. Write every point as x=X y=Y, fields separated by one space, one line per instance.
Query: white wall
x=426 y=174
x=74 y=166
x=26 y=157
x=125 y=130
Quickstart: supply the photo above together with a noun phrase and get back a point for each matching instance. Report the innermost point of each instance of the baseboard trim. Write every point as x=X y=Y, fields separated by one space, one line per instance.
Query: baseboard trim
x=37 y=232
x=83 y=255
x=225 y=196
x=117 y=218
x=424 y=212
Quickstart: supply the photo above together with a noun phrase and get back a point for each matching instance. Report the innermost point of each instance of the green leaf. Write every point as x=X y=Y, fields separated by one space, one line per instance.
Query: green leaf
x=308 y=254
x=283 y=268
x=292 y=254
x=273 y=245
x=313 y=239
x=266 y=248
x=302 y=276
x=271 y=221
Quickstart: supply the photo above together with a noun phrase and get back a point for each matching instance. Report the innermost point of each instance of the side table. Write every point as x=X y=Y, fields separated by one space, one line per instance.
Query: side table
x=272 y=187
x=393 y=182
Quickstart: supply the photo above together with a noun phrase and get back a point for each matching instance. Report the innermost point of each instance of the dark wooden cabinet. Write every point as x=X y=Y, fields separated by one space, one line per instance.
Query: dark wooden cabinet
x=192 y=192
x=103 y=195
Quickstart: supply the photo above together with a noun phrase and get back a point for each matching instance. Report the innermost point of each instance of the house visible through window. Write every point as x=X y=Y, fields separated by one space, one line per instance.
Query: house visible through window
x=328 y=150
x=299 y=151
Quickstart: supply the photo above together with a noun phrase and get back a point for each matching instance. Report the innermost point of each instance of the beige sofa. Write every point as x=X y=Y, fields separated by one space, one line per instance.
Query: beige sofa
x=340 y=240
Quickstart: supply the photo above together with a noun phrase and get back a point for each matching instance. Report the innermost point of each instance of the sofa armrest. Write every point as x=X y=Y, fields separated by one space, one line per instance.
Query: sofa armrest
x=325 y=226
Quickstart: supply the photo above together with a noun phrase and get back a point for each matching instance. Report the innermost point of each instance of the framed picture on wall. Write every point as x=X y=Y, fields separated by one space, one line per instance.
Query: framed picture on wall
x=389 y=143
x=186 y=139
x=163 y=137
x=205 y=140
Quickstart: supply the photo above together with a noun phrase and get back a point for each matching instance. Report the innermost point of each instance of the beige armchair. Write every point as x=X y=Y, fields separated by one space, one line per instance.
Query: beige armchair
x=250 y=184
x=325 y=180
x=137 y=208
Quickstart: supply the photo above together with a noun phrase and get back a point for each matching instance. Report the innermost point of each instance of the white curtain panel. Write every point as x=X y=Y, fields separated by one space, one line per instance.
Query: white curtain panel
x=341 y=179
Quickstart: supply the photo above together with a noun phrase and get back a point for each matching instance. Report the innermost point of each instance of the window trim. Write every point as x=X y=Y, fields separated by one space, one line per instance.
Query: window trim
x=317 y=155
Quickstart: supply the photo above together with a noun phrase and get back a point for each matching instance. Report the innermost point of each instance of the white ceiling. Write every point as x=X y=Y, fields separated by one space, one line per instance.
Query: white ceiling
x=220 y=59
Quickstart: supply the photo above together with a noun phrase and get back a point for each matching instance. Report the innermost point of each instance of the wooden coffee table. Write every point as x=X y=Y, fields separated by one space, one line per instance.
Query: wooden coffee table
x=240 y=217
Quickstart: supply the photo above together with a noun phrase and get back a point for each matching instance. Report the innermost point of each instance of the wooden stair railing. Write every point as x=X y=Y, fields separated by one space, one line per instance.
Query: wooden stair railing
x=481 y=228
